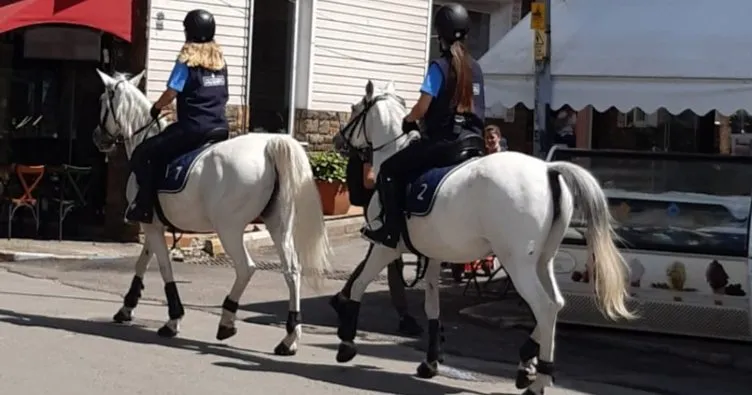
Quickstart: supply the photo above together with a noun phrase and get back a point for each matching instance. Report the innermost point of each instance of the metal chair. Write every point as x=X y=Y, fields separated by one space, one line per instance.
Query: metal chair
x=74 y=187
x=488 y=272
x=29 y=177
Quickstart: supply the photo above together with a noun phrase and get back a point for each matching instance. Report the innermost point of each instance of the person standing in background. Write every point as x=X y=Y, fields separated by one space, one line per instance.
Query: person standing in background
x=495 y=142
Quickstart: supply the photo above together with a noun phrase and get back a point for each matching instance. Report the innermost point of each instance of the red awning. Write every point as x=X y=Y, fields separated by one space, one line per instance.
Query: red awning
x=111 y=16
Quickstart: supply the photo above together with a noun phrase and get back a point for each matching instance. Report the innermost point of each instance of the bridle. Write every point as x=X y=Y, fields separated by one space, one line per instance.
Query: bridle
x=358 y=125
x=113 y=138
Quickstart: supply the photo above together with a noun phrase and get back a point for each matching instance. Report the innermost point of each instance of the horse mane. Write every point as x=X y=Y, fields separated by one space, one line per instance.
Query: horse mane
x=134 y=106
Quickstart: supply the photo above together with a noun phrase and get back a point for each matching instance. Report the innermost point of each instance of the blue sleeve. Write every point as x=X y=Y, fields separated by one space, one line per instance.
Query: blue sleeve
x=178 y=77
x=432 y=82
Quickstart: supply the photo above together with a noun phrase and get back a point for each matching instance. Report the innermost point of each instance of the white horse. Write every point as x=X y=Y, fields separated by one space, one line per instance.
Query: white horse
x=228 y=186
x=510 y=204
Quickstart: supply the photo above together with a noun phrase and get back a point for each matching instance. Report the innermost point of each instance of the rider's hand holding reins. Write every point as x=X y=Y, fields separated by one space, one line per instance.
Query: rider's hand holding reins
x=154 y=112
x=408 y=126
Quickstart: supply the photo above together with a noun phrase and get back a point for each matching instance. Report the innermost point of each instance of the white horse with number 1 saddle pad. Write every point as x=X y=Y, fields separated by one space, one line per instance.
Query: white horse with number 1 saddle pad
x=222 y=188
x=508 y=204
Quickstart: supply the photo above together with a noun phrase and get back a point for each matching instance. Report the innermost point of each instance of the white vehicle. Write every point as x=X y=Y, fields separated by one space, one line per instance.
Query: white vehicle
x=683 y=220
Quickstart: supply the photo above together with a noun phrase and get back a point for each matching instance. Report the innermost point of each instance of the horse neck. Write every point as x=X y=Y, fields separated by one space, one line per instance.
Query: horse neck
x=139 y=117
x=135 y=141
x=388 y=124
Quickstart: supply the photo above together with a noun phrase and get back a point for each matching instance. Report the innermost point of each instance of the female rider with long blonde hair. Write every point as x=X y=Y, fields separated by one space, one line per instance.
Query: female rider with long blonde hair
x=199 y=83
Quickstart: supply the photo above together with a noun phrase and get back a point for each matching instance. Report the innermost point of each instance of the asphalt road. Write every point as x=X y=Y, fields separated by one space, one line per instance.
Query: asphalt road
x=55 y=337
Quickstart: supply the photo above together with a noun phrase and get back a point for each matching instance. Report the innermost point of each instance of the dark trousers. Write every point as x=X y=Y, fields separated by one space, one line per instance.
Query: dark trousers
x=153 y=154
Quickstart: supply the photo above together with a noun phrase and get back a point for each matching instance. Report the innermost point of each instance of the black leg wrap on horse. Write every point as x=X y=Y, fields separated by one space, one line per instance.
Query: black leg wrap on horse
x=529 y=350
x=435 y=338
x=293 y=320
x=174 y=305
x=134 y=292
x=348 y=320
x=230 y=306
x=545 y=367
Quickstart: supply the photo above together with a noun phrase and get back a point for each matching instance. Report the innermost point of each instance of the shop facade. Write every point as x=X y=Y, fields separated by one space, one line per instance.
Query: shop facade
x=49 y=95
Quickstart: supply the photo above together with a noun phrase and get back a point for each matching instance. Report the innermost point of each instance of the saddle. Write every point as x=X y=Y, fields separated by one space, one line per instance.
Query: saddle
x=176 y=173
x=422 y=189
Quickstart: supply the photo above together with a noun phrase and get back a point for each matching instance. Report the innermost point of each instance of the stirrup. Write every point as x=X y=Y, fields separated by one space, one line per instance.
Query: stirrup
x=380 y=236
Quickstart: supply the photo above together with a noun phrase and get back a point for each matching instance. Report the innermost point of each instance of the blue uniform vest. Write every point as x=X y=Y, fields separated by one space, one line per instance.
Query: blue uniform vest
x=201 y=104
x=439 y=119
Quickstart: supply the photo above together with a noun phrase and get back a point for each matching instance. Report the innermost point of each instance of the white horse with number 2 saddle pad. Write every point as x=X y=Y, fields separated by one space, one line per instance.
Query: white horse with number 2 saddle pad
x=508 y=204
x=222 y=188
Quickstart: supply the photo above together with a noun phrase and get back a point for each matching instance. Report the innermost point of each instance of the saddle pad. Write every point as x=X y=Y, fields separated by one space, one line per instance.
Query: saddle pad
x=176 y=174
x=421 y=193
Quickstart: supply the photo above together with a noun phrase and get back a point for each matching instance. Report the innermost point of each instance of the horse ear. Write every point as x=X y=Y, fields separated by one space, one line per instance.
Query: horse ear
x=369 y=88
x=106 y=79
x=136 y=79
x=389 y=87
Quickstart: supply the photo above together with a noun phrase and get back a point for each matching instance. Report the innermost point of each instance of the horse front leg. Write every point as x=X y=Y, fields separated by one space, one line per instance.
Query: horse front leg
x=131 y=298
x=347 y=302
x=155 y=237
x=429 y=368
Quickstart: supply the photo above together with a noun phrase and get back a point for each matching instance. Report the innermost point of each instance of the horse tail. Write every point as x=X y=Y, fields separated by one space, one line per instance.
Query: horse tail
x=610 y=267
x=297 y=191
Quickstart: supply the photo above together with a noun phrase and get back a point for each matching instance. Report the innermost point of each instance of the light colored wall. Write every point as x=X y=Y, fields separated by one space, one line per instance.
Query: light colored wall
x=233 y=18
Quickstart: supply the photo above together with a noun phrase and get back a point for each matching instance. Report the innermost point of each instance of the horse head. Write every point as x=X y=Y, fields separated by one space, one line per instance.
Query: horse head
x=124 y=111
x=376 y=119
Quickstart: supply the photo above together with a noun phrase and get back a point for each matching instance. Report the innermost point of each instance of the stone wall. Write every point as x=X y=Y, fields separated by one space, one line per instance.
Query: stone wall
x=317 y=128
x=234 y=113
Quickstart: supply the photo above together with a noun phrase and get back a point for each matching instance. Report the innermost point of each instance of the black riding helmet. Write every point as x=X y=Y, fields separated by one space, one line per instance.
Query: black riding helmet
x=452 y=23
x=199 y=26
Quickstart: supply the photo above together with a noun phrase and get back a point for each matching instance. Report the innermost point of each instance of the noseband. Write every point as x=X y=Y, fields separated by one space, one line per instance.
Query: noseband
x=358 y=125
x=113 y=138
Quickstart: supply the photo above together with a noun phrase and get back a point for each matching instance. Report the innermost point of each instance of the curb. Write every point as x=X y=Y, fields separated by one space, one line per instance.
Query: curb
x=256 y=239
x=19 y=256
x=512 y=321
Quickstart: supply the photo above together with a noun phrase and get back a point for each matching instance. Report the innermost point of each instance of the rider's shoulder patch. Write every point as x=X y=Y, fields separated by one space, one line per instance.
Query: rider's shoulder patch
x=213 y=80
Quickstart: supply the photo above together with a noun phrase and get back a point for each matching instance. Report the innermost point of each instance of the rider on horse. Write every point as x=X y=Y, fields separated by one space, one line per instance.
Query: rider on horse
x=199 y=83
x=451 y=106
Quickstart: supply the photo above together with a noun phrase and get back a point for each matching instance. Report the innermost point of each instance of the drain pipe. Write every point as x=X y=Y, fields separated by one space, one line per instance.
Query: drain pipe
x=248 y=65
x=293 y=68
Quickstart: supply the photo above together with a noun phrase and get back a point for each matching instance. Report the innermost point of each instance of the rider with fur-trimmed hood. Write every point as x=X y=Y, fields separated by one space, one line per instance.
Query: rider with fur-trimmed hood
x=451 y=106
x=199 y=83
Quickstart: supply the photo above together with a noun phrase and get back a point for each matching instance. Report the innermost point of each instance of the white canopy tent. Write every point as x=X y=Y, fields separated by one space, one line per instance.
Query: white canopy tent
x=675 y=54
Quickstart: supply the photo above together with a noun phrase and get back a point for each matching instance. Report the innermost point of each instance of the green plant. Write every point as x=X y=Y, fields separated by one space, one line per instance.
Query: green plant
x=328 y=166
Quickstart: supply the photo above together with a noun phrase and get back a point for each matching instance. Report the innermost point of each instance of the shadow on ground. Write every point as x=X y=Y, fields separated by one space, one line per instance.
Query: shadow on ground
x=357 y=377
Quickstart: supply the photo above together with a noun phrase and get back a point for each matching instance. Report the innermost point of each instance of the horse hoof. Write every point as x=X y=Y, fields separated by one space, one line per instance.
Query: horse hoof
x=428 y=370
x=346 y=352
x=529 y=392
x=226 y=332
x=121 y=317
x=167 y=332
x=283 y=350
x=523 y=380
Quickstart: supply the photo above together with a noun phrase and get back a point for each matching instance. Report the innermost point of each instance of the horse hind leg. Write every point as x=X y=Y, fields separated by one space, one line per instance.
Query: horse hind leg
x=523 y=272
x=132 y=297
x=280 y=230
x=527 y=368
x=231 y=237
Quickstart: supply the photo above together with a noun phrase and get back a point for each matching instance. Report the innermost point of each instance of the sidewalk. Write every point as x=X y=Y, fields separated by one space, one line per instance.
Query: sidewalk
x=191 y=244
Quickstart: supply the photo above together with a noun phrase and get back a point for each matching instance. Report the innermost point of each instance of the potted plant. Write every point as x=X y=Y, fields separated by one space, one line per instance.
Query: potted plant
x=329 y=169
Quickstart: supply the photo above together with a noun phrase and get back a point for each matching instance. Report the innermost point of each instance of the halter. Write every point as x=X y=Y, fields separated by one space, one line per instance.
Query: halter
x=112 y=138
x=358 y=124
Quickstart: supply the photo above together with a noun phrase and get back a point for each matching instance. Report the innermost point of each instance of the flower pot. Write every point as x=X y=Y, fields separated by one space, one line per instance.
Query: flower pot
x=335 y=199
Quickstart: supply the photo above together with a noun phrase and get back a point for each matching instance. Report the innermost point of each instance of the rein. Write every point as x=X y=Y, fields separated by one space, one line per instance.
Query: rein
x=358 y=124
x=113 y=138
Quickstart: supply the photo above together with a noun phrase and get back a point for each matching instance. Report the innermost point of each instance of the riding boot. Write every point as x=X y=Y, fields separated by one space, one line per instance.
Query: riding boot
x=141 y=210
x=386 y=229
